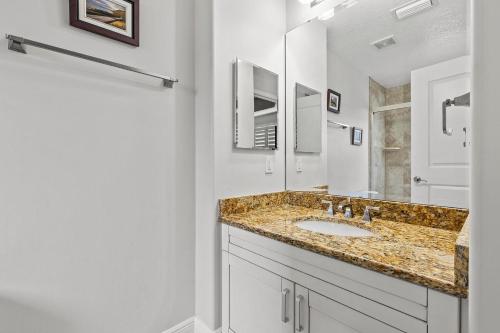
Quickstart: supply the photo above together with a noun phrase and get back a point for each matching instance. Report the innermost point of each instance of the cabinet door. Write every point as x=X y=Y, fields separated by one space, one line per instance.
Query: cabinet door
x=301 y=309
x=260 y=301
x=327 y=316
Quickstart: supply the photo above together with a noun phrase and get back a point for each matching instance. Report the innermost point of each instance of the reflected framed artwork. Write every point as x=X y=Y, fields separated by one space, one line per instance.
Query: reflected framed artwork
x=115 y=19
x=333 y=101
x=357 y=136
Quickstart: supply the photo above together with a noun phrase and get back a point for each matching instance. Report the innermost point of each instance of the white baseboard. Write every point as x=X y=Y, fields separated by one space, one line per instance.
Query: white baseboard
x=200 y=327
x=187 y=326
x=191 y=325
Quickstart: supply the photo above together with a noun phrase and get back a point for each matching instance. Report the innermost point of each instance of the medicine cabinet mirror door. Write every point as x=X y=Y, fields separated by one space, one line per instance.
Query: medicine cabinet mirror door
x=255 y=107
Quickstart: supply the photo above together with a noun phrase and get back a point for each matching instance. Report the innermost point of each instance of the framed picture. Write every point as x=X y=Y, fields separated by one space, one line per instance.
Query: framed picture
x=357 y=136
x=333 y=101
x=116 y=19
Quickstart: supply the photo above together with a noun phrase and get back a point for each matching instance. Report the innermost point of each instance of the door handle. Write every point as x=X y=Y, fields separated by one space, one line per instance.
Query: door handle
x=419 y=180
x=284 y=296
x=298 y=320
x=465 y=139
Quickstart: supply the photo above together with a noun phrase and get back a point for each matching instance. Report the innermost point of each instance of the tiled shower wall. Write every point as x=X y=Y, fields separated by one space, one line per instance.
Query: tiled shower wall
x=377 y=141
x=391 y=168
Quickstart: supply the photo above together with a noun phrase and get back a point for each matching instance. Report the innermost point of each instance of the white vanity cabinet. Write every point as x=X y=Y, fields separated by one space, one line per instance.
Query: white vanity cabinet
x=326 y=316
x=260 y=301
x=269 y=286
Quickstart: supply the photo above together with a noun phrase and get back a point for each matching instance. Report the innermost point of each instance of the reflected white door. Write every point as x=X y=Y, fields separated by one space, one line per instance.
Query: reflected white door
x=440 y=163
x=309 y=124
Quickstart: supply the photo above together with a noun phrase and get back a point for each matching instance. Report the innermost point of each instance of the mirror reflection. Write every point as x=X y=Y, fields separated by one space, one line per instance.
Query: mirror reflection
x=308 y=122
x=397 y=101
x=255 y=107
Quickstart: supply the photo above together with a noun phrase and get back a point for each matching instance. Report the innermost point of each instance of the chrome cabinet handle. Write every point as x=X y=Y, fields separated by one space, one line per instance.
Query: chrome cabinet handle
x=284 y=296
x=298 y=319
x=419 y=180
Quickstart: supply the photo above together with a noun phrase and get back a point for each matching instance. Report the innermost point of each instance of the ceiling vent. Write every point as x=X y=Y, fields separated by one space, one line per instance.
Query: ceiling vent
x=411 y=8
x=384 y=42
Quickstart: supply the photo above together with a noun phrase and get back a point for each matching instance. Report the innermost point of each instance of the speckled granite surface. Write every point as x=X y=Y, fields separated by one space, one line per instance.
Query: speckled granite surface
x=424 y=215
x=411 y=251
x=462 y=257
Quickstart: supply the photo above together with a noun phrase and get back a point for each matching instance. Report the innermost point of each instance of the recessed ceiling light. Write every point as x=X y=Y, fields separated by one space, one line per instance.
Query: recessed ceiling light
x=327 y=15
x=384 y=42
x=305 y=2
x=411 y=8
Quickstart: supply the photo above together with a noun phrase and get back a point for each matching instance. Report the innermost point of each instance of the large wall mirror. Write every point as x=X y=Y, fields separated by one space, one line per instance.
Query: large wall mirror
x=395 y=80
x=255 y=107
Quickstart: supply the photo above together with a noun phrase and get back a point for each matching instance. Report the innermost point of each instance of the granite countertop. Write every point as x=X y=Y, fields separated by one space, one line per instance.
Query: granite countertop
x=419 y=254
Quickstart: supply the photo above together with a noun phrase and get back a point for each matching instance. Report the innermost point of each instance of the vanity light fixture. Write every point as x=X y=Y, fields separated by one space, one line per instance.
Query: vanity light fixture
x=384 y=42
x=327 y=15
x=316 y=2
x=311 y=3
x=411 y=8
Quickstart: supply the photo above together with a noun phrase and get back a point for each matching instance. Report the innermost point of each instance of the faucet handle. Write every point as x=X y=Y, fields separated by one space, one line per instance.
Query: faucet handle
x=367 y=216
x=330 y=206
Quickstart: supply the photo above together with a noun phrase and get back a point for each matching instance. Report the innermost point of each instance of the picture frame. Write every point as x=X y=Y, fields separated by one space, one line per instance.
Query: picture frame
x=115 y=19
x=333 y=101
x=356 y=136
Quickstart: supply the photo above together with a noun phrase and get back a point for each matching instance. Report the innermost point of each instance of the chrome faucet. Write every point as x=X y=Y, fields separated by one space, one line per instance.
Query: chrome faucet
x=330 y=207
x=346 y=208
x=367 y=216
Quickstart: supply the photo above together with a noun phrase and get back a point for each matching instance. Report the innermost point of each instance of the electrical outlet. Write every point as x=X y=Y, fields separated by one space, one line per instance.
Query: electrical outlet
x=298 y=165
x=269 y=165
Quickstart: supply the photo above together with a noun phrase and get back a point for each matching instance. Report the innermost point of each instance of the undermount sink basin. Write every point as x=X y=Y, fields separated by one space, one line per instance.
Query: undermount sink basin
x=335 y=229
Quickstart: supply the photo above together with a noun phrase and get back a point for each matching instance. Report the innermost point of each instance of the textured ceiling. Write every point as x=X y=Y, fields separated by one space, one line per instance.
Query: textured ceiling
x=435 y=35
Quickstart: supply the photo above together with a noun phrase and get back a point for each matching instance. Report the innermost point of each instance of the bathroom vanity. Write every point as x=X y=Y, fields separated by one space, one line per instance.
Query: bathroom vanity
x=408 y=275
x=365 y=118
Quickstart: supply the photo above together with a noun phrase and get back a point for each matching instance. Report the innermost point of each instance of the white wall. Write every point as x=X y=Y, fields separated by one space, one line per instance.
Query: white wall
x=306 y=57
x=207 y=229
x=97 y=176
x=347 y=164
x=485 y=181
x=252 y=30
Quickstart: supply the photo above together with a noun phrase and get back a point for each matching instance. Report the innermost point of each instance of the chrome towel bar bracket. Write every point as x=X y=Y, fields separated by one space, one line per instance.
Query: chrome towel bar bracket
x=463 y=100
x=340 y=125
x=18 y=44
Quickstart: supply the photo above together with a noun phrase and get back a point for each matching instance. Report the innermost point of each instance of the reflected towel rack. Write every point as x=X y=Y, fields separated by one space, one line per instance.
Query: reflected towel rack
x=393 y=107
x=18 y=44
x=388 y=149
x=340 y=125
